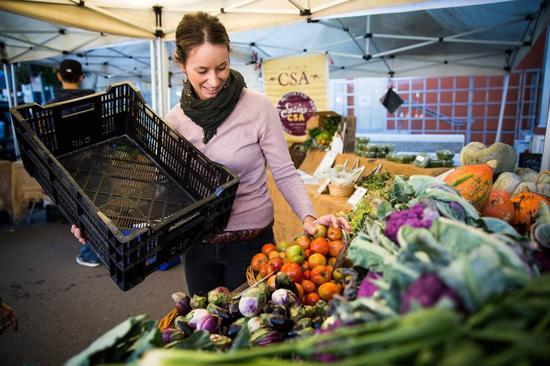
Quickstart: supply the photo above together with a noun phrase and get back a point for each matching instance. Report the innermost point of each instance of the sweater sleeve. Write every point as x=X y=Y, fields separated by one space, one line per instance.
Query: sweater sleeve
x=275 y=150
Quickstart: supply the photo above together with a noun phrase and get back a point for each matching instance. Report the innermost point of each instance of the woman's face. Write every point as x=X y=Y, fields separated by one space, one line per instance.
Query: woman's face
x=207 y=68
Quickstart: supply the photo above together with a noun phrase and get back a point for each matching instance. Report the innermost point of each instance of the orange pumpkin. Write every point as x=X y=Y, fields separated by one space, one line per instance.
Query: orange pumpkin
x=526 y=205
x=473 y=182
x=499 y=205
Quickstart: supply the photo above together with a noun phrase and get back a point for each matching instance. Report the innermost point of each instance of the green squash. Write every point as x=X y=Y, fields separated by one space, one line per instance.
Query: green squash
x=477 y=153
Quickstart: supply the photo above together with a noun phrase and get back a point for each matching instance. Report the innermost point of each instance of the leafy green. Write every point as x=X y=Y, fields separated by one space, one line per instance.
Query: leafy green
x=241 y=340
x=199 y=340
x=150 y=339
x=123 y=341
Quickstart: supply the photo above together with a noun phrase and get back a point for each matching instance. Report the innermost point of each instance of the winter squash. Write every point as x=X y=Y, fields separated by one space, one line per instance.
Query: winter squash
x=507 y=182
x=526 y=205
x=478 y=153
x=499 y=205
x=473 y=182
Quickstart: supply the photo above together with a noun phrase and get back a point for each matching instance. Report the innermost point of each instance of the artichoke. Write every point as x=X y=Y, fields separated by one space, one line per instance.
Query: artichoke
x=198 y=302
x=264 y=337
x=182 y=301
x=221 y=342
x=170 y=335
x=217 y=297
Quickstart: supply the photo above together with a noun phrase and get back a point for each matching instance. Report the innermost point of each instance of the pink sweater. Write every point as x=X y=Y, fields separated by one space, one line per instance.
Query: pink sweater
x=249 y=138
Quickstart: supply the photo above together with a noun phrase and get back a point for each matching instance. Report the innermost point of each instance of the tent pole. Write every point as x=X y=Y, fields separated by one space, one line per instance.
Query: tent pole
x=13 y=84
x=502 y=105
x=544 y=114
x=160 y=106
x=153 y=74
x=10 y=104
x=163 y=78
x=8 y=86
x=545 y=163
x=367 y=39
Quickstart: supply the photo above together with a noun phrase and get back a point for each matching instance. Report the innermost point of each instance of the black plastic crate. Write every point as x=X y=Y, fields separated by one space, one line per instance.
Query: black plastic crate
x=530 y=160
x=141 y=193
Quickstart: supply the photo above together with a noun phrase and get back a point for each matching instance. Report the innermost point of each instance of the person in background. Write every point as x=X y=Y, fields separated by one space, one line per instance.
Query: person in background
x=239 y=128
x=7 y=318
x=71 y=76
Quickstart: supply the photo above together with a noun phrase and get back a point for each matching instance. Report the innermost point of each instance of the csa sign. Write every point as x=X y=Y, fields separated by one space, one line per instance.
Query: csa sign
x=297 y=86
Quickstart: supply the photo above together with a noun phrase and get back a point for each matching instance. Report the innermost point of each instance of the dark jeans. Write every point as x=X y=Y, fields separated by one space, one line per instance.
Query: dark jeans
x=208 y=266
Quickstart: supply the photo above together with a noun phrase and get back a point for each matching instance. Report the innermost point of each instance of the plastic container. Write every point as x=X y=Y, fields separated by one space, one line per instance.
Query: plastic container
x=422 y=160
x=446 y=155
x=141 y=193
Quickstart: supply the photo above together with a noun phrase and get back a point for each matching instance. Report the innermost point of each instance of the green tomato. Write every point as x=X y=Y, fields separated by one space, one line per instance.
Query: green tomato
x=295 y=254
x=282 y=245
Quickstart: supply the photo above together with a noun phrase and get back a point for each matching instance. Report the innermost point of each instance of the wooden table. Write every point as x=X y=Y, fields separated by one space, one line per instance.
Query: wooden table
x=287 y=226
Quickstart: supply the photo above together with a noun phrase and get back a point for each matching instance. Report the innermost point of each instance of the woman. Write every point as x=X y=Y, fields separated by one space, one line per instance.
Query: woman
x=240 y=129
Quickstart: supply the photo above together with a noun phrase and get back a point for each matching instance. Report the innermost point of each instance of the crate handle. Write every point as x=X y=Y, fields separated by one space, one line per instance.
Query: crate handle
x=184 y=221
x=69 y=112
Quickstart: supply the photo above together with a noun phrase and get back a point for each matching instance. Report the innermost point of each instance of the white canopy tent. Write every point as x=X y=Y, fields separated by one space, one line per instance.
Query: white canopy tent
x=361 y=38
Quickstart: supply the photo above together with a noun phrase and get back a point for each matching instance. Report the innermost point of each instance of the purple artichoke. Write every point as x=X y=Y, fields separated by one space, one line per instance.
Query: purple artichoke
x=210 y=323
x=183 y=302
x=172 y=334
x=427 y=290
x=264 y=337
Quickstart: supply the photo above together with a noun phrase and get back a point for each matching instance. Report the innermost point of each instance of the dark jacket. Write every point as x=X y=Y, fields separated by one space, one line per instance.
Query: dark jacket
x=66 y=94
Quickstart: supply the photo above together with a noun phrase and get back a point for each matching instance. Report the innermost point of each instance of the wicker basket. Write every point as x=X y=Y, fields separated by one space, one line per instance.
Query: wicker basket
x=250 y=276
x=341 y=190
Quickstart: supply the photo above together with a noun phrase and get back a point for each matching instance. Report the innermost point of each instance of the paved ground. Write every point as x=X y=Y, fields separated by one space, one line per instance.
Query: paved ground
x=62 y=307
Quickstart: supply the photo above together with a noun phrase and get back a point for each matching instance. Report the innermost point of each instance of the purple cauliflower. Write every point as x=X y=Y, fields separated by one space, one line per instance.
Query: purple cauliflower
x=413 y=216
x=367 y=288
x=427 y=290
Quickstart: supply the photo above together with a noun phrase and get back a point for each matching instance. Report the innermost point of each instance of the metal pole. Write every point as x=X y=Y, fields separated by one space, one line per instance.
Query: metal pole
x=8 y=87
x=367 y=40
x=153 y=75
x=470 y=117
x=13 y=84
x=502 y=105
x=545 y=96
x=164 y=80
x=10 y=104
x=160 y=109
x=545 y=163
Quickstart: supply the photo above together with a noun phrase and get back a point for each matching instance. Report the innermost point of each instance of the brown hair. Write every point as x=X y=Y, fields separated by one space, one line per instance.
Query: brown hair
x=197 y=29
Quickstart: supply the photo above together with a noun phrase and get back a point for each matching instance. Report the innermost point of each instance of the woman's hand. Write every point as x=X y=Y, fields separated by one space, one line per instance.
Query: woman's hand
x=77 y=234
x=327 y=220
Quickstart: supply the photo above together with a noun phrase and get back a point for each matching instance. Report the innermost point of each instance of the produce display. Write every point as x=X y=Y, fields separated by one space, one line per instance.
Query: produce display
x=368 y=150
x=442 y=159
x=438 y=271
x=321 y=137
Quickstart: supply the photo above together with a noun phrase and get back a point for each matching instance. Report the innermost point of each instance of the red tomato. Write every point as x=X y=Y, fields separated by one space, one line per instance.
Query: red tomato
x=293 y=271
x=266 y=248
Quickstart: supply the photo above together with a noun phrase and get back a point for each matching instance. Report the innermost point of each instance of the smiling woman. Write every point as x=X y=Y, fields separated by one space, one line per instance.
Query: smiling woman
x=238 y=128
